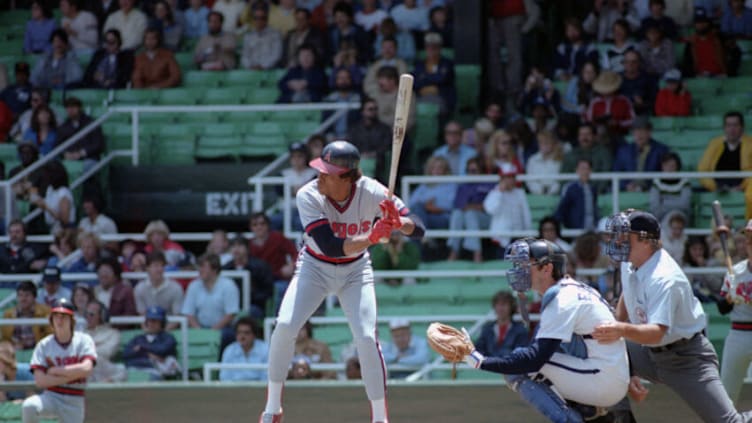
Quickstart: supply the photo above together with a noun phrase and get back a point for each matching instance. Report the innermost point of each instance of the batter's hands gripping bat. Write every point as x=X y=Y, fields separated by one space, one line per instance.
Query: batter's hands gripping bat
x=401 y=112
x=718 y=217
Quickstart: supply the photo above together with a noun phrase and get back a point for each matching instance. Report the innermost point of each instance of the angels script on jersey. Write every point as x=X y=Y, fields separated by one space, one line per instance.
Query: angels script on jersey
x=344 y=229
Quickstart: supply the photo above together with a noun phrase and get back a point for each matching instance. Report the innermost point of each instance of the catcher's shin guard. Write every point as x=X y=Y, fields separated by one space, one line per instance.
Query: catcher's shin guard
x=542 y=397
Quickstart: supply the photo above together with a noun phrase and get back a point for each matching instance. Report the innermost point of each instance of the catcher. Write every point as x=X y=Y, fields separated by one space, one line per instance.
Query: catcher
x=564 y=373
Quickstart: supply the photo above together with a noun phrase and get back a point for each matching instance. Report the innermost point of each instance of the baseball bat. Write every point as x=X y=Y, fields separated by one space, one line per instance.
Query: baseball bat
x=401 y=113
x=718 y=217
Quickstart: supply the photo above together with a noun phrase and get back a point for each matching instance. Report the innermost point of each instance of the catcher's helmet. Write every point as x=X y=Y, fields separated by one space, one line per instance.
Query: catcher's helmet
x=620 y=225
x=531 y=251
x=337 y=158
x=63 y=306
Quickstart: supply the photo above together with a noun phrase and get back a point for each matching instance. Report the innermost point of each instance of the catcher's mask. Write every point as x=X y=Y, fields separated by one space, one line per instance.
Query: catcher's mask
x=526 y=252
x=620 y=225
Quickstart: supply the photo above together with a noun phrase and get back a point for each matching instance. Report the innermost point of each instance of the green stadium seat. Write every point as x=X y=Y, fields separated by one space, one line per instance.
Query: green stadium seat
x=439 y=291
x=262 y=96
x=203 y=346
x=244 y=78
x=706 y=122
x=8 y=153
x=160 y=118
x=724 y=103
x=176 y=132
x=690 y=158
x=736 y=85
x=302 y=130
x=74 y=168
x=295 y=116
x=697 y=139
x=184 y=96
x=223 y=96
x=135 y=96
x=702 y=87
x=173 y=152
x=541 y=205
x=243 y=117
x=14 y=47
x=215 y=147
x=138 y=375
x=391 y=295
x=426 y=127
x=90 y=97
x=198 y=118
x=256 y=145
x=663 y=123
x=185 y=61
x=266 y=128
x=225 y=129
x=203 y=79
x=734 y=205
x=17 y=16
x=467 y=80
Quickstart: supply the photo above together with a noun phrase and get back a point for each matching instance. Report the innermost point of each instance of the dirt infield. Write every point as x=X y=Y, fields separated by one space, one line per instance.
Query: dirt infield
x=460 y=402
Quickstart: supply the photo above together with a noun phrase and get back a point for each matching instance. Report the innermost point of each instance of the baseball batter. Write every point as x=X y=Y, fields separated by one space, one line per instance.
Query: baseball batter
x=563 y=359
x=662 y=321
x=343 y=213
x=737 y=300
x=61 y=362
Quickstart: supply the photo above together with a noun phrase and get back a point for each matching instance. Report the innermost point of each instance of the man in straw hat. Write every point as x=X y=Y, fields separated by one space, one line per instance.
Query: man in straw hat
x=608 y=107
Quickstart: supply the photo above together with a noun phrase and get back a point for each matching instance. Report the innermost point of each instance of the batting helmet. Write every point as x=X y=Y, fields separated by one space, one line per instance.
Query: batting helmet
x=337 y=158
x=620 y=225
x=63 y=306
x=531 y=251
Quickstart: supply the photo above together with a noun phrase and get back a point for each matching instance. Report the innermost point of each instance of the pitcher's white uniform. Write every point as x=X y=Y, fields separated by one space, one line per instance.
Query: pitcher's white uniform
x=350 y=278
x=601 y=375
x=66 y=402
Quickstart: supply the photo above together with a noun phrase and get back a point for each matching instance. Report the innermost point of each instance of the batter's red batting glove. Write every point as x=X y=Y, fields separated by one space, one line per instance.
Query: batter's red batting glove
x=382 y=229
x=390 y=213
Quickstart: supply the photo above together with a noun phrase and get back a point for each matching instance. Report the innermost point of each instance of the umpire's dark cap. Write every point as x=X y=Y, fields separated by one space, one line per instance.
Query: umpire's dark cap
x=644 y=222
x=337 y=158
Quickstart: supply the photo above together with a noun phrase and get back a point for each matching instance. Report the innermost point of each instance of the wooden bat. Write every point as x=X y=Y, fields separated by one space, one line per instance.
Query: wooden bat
x=718 y=217
x=401 y=113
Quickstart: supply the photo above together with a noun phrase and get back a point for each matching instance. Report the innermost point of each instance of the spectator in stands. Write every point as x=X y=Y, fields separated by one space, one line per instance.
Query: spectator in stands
x=82 y=295
x=58 y=204
x=697 y=255
x=609 y=108
x=39 y=97
x=550 y=230
x=195 y=17
x=306 y=82
x=297 y=175
x=282 y=16
x=230 y=10
x=81 y=27
x=467 y=213
x=273 y=248
x=157 y=290
x=453 y=150
x=347 y=58
x=670 y=194
x=39 y=29
x=155 y=67
x=500 y=337
x=131 y=23
x=249 y=348
x=90 y=147
x=578 y=206
x=571 y=55
x=101 y=10
x=600 y=21
x=434 y=77
x=731 y=151
x=736 y=21
x=166 y=25
x=262 y=278
x=411 y=17
x=441 y=24
x=657 y=52
x=58 y=68
x=343 y=92
x=588 y=254
x=302 y=33
x=538 y=91
x=396 y=254
x=387 y=57
x=613 y=57
x=588 y=149
x=215 y=50
x=507 y=206
x=18 y=255
x=547 y=161
x=211 y=301
x=262 y=46
x=155 y=349
x=313 y=349
x=639 y=87
x=25 y=337
x=112 y=291
x=63 y=245
x=322 y=15
x=371 y=136
x=52 y=287
x=674 y=238
x=658 y=19
x=17 y=96
x=42 y=131
x=158 y=239
x=107 y=342
x=404 y=40
x=386 y=97
x=111 y=67
x=704 y=54
x=478 y=135
x=500 y=151
x=88 y=244
x=673 y=99
x=369 y=17
x=432 y=202
x=406 y=349
x=219 y=244
x=643 y=154
x=344 y=29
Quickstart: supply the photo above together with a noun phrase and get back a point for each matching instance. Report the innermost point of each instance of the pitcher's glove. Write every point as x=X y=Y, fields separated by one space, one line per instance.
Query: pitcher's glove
x=454 y=345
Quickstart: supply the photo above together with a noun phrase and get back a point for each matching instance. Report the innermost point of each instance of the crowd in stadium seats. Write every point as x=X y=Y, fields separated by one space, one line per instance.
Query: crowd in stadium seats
x=608 y=85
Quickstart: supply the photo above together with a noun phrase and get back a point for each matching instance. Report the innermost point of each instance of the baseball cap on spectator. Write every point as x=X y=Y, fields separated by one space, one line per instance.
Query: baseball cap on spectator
x=701 y=15
x=298 y=147
x=672 y=75
x=640 y=221
x=507 y=169
x=607 y=83
x=399 y=323
x=51 y=274
x=156 y=313
x=433 y=38
x=642 y=122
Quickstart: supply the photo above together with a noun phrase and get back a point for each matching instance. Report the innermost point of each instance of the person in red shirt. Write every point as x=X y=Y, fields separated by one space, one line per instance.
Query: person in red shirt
x=704 y=55
x=608 y=107
x=273 y=248
x=673 y=99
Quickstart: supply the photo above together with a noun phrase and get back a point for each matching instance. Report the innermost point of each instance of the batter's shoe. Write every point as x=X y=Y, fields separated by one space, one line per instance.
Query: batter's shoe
x=270 y=418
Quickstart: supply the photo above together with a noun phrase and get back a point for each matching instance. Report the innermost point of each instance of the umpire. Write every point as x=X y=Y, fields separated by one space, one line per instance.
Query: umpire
x=662 y=321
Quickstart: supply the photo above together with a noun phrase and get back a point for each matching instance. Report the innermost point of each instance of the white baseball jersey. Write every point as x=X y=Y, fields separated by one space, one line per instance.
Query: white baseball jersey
x=660 y=293
x=355 y=216
x=743 y=283
x=50 y=353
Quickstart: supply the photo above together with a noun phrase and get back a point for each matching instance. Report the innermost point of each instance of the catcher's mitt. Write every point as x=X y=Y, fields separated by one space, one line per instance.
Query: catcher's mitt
x=450 y=342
